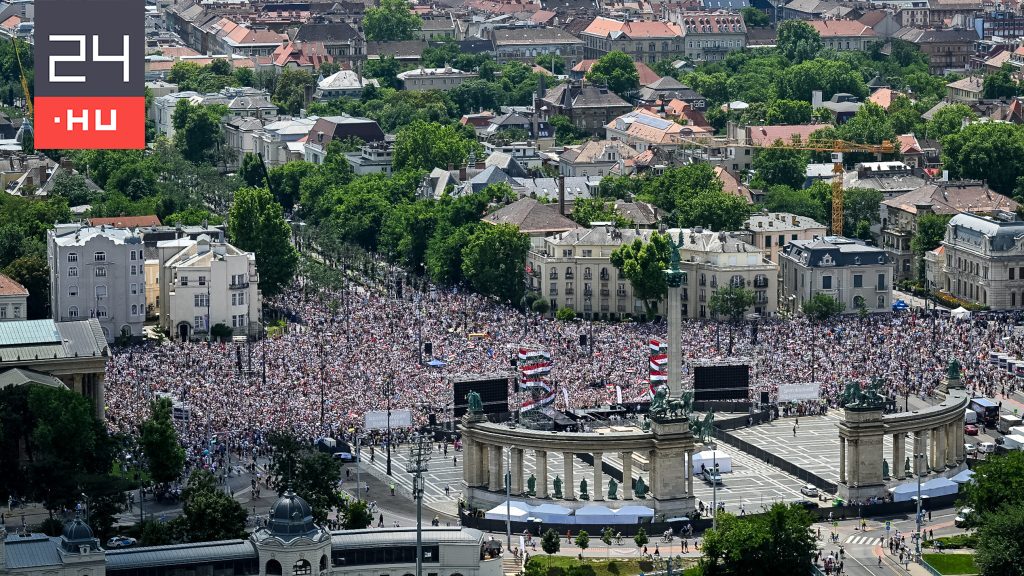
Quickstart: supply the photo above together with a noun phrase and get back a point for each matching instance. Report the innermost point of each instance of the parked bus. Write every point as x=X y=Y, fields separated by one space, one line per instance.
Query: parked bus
x=988 y=411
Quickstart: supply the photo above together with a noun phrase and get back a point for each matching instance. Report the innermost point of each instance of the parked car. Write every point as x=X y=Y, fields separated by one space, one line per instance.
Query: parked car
x=809 y=490
x=806 y=504
x=712 y=477
x=963 y=517
x=970 y=430
x=121 y=542
x=970 y=448
x=987 y=447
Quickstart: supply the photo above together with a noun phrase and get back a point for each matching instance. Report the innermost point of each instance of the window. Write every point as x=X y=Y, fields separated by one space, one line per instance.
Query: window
x=782 y=240
x=99 y=257
x=302 y=568
x=881 y=301
x=202 y=280
x=3 y=311
x=198 y=323
x=858 y=280
x=201 y=300
x=135 y=288
x=72 y=290
x=881 y=281
x=241 y=298
x=133 y=254
x=184 y=280
x=73 y=271
x=273 y=568
x=101 y=312
x=73 y=257
x=73 y=312
x=135 y=309
x=767 y=241
x=101 y=291
x=101 y=271
x=1011 y=273
x=826 y=282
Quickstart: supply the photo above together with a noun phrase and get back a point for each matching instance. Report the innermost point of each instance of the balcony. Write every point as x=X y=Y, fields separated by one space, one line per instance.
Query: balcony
x=760 y=283
x=239 y=285
x=569 y=291
x=620 y=293
x=604 y=292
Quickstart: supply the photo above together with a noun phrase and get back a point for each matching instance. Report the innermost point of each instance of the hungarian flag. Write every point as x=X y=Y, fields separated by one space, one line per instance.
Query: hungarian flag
x=534 y=355
x=536 y=369
x=657 y=346
x=659 y=376
x=658 y=361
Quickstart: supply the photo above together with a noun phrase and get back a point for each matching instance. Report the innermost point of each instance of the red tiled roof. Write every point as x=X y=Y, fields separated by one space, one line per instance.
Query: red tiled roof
x=11 y=23
x=9 y=287
x=126 y=221
x=841 y=28
x=766 y=135
x=602 y=27
x=908 y=144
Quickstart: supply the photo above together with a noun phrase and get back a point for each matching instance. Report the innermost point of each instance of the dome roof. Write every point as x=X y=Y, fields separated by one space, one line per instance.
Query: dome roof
x=291 y=516
x=76 y=535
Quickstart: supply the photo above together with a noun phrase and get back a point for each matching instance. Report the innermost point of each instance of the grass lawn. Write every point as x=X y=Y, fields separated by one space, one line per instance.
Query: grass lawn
x=560 y=566
x=952 y=563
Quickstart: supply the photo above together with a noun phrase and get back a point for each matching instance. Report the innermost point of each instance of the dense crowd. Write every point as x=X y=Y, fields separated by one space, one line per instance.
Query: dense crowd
x=353 y=349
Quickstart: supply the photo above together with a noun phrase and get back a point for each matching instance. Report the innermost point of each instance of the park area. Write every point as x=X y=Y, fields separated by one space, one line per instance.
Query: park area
x=569 y=566
x=952 y=563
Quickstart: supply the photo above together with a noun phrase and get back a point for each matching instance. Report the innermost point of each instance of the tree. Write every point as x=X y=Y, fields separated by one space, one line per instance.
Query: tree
x=714 y=211
x=193 y=217
x=778 y=542
x=476 y=95
x=779 y=165
x=731 y=302
x=588 y=210
x=541 y=306
x=830 y=76
x=642 y=263
x=860 y=210
x=566 y=132
x=551 y=62
x=551 y=542
x=391 y=20
x=798 y=41
x=385 y=70
x=617 y=71
x=285 y=453
x=72 y=187
x=493 y=259
x=357 y=516
x=197 y=131
x=292 y=85
x=674 y=187
x=286 y=179
x=787 y=111
x=565 y=314
x=870 y=125
x=583 y=540
x=316 y=480
x=781 y=198
x=986 y=151
x=256 y=224
x=607 y=536
x=821 y=307
x=165 y=457
x=251 y=170
x=948 y=120
x=1000 y=547
x=208 y=514
x=1000 y=84
x=998 y=481
x=931 y=229
x=32 y=272
x=428 y=145
x=754 y=18
x=640 y=538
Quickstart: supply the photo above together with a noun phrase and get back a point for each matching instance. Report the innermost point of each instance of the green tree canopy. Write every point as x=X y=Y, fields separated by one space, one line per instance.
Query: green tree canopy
x=948 y=120
x=1000 y=547
x=256 y=224
x=870 y=125
x=32 y=272
x=821 y=307
x=988 y=151
x=830 y=76
x=197 y=131
x=208 y=514
x=781 y=198
x=391 y=20
x=778 y=542
x=588 y=210
x=931 y=229
x=860 y=205
x=428 y=145
x=777 y=165
x=292 y=85
x=754 y=18
x=617 y=71
x=642 y=263
x=492 y=261
x=165 y=457
x=798 y=41
x=551 y=542
x=1000 y=84
x=997 y=482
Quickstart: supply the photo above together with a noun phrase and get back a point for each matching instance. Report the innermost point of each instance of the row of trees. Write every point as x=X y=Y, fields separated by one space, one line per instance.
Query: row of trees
x=996 y=494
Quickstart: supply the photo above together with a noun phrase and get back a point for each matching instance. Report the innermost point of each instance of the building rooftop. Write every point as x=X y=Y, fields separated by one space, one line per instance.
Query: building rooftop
x=952 y=198
x=832 y=251
x=125 y=221
x=779 y=222
x=46 y=339
x=11 y=287
x=79 y=235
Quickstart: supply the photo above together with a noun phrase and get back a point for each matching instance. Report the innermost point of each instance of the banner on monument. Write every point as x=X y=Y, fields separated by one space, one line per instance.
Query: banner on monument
x=799 y=392
x=378 y=419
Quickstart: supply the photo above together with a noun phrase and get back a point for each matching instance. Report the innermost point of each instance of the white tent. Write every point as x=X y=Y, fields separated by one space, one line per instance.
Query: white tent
x=501 y=512
x=553 y=513
x=711 y=457
x=963 y=477
x=596 y=514
x=904 y=492
x=939 y=487
x=633 y=514
x=960 y=313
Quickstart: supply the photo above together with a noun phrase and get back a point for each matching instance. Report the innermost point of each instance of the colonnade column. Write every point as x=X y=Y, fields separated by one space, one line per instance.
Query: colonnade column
x=568 y=490
x=951 y=442
x=496 y=468
x=598 y=476
x=542 y=473
x=689 y=469
x=517 y=470
x=842 y=460
x=469 y=462
x=898 y=449
x=939 y=450
x=627 y=475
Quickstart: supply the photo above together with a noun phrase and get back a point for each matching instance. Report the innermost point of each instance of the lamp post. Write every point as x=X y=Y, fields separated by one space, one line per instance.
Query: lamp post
x=419 y=456
x=918 y=456
x=714 y=485
x=587 y=295
x=388 y=389
x=508 y=501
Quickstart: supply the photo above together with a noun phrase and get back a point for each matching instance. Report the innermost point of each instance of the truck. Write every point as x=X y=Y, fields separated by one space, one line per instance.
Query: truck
x=970 y=416
x=988 y=411
x=1007 y=421
x=1018 y=430
x=1013 y=442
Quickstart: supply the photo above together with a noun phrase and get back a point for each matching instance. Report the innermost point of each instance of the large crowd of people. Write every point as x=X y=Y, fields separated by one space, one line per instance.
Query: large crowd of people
x=344 y=356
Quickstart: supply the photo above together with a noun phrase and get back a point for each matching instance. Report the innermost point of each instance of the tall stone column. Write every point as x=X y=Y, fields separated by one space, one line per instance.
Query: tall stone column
x=937 y=459
x=689 y=473
x=517 y=470
x=496 y=482
x=598 y=476
x=951 y=443
x=627 y=475
x=899 y=442
x=469 y=463
x=674 y=279
x=542 y=473
x=842 y=460
x=853 y=455
x=568 y=489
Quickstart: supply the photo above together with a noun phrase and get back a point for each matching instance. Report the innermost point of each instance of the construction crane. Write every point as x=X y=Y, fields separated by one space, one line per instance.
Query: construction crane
x=26 y=125
x=837 y=148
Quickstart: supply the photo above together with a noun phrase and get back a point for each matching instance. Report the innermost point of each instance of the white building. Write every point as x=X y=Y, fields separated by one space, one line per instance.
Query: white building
x=343 y=83
x=443 y=79
x=856 y=275
x=982 y=260
x=771 y=231
x=204 y=283
x=98 y=272
x=13 y=300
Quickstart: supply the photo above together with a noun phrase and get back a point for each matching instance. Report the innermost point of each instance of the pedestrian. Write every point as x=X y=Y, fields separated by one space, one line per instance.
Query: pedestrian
x=929 y=515
x=447 y=490
x=794 y=430
x=392 y=488
x=455 y=461
x=380 y=521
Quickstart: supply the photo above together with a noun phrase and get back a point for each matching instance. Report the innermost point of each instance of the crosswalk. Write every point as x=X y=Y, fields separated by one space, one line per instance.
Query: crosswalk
x=863 y=540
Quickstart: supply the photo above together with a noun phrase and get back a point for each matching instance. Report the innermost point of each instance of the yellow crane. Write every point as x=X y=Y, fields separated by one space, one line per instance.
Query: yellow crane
x=837 y=148
x=27 y=124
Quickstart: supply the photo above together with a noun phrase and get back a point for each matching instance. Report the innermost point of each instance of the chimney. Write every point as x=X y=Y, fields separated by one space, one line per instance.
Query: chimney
x=561 y=195
x=462 y=173
x=816 y=99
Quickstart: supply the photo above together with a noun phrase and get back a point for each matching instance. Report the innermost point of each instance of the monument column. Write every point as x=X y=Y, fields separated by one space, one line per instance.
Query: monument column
x=568 y=490
x=689 y=475
x=542 y=473
x=842 y=460
x=517 y=470
x=469 y=463
x=950 y=446
x=898 y=448
x=598 y=476
x=674 y=279
x=627 y=475
x=938 y=460
x=496 y=482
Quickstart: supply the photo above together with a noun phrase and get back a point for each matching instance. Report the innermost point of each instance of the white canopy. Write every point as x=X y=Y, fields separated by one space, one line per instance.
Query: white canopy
x=904 y=492
x=633 y=514
x=553 y=513
x=502 y=511
x=939 y=487
x=963 y=477
x=711 y=457
x=596 y=514
x=960 y=313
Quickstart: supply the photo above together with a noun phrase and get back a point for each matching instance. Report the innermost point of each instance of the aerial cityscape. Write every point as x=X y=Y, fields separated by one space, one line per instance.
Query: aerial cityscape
x=511 y=288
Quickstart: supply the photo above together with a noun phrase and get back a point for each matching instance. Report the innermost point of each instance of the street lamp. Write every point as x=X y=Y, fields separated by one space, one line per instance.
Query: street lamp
x=419 y=456
x=587 y=294
x=388 y=388
x=508 y=501
x=714 y=485
x=918 y=456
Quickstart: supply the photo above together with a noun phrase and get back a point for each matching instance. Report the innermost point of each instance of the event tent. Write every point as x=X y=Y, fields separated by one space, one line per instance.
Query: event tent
x=963 y=477
x=501 y=512
x=711 y=457
x=596 y=514
x=633 y=514
x=904 y=492
x=939 y=487
x=553 y=513
x=960 y=313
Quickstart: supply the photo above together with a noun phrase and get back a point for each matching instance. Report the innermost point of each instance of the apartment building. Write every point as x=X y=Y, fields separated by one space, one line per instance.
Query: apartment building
x=984 y=260
x=857 y=275
x=771 y=231
x=98 y=272
x=644 y=41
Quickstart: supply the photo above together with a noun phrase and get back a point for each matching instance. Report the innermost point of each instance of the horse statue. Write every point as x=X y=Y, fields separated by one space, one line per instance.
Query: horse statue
x=476 y=406
x=852 y=395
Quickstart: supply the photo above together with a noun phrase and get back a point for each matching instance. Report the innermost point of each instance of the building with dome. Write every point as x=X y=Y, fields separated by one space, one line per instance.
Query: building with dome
x=291 y=544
